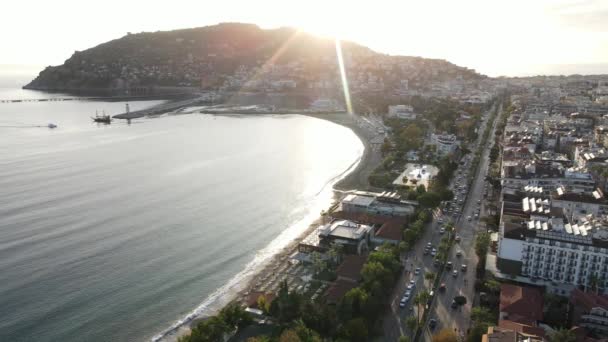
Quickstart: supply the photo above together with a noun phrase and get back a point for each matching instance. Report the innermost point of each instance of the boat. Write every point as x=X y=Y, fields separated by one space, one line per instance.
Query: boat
x=51 y=125
x=103 y=118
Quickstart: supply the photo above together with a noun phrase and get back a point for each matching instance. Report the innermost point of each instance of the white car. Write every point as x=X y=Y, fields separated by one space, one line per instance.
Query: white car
x=458 y=253
x=433 y=252
x=442 y=230
x=417 y=270
x=469 y=218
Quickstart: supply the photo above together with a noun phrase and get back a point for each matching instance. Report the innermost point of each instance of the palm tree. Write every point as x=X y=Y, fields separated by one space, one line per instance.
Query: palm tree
x=430 y=276
x=411 y=323
x=420 y=300
x=335 y=252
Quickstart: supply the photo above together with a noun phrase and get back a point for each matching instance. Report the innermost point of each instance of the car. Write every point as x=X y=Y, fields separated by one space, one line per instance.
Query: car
x=432 y=323
x=442 y=230
x=455 y=273
x=463 y=268
x=448 y=265
x=440 y=220
x=454 y=305
x=457 y=238
x=429 y=245
x=417 y=271
x=469 y=218
x=442 y=287
x=458 y=253
x=412 y=282
x=433 y=252
x=476 y=215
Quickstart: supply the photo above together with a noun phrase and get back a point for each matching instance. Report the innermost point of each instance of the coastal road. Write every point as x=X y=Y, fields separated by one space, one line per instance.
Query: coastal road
x=463 y=284
x=394 y=320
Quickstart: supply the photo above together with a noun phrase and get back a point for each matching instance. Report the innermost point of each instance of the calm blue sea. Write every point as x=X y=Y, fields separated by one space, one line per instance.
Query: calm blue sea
x=116 y=232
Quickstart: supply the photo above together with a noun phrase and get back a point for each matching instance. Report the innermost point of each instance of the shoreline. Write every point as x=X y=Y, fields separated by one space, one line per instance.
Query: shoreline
x=278 y=264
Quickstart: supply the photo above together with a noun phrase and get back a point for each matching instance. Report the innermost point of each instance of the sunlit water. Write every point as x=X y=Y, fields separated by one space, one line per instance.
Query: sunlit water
x=115 y=233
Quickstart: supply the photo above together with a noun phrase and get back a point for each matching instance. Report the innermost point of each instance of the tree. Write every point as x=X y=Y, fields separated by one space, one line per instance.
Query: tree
x=493 y=285
x=335 y=252
x=562 y=335
x=412 y=324
x=404 y=339
x=263 y=304
x=482 y=243
x=429 y=200
x=355 y=330
x=430 y=276
x=445 y=335
x=482 y=315
x=420 y=300
x=318 y=264
x=375 y=271
x=460 y=300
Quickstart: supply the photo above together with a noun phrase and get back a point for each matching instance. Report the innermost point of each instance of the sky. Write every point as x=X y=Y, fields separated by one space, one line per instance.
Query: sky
x=495 y=37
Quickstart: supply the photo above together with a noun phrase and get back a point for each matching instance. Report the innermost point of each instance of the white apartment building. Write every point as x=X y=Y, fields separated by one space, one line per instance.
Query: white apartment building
x=539 y=245
x=401 y=112
x=446 y=143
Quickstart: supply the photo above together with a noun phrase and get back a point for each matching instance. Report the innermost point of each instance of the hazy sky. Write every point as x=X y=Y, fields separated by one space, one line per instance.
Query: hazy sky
x=514 y=37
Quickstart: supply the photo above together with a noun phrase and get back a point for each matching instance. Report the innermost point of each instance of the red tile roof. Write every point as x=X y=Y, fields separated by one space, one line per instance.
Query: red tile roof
x=521 y=328
x=350 y=268
x=588 y=300
x=337 y=290
x=521 y=304
x=391 y=230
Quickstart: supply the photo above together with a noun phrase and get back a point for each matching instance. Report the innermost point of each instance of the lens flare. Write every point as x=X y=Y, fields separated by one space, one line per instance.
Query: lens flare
x=349 y=107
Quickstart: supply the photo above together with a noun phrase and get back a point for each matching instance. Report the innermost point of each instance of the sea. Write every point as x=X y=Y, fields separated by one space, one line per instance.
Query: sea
x=124 y=232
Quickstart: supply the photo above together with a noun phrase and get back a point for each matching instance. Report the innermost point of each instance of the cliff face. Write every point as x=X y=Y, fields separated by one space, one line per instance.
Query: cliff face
x=228 y=56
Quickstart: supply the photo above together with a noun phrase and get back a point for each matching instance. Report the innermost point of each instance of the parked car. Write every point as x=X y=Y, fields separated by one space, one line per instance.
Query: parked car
x=442 y=230
x=432 y=323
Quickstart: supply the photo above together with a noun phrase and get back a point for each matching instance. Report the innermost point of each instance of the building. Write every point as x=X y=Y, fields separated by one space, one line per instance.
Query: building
x=590 y=311
x=401 y=112
x=382 y=204
x=354 y=237
x=446 y=144
x=516 y=175
x=538 y=244
x=389 y=232
x=577 y=205
x=498 y=334
x=521 y=304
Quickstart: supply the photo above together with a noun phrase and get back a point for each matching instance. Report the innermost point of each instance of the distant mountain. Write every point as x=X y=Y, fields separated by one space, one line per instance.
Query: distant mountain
x=235 y=56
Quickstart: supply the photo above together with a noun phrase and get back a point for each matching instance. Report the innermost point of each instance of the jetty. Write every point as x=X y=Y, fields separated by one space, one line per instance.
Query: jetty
x=161 y=108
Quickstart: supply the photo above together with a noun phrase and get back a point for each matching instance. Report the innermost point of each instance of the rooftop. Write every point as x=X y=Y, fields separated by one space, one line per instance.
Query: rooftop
x=345 y=229
x=521 y=304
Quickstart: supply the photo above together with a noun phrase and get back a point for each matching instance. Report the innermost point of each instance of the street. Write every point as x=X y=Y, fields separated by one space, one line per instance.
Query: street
x=459 y=318
x=394 y=321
